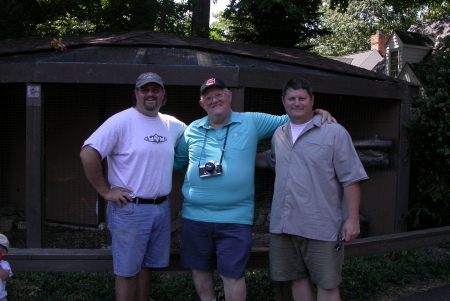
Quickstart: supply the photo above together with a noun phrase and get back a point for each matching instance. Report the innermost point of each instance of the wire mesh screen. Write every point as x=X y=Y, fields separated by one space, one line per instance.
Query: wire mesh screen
x=374 y=126
x=72 y=112
x=12 y=156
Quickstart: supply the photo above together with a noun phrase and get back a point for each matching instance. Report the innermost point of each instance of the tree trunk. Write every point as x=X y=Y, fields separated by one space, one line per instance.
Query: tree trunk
x=200 y=18
x=162 y=22
x=143 y=14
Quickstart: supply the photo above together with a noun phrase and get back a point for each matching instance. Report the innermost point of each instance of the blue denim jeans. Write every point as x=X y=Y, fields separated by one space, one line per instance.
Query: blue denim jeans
x=140 y=236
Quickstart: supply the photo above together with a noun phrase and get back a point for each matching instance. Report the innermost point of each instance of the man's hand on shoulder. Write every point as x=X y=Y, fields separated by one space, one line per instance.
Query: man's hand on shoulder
x=326 y=116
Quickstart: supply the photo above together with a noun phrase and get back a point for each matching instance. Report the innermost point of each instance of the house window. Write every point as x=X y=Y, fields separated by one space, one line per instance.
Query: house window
x=394 y=64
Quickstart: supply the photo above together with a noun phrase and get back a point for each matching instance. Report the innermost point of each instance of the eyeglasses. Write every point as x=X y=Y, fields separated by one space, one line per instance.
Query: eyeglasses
x=218 y=96
x=153 y=90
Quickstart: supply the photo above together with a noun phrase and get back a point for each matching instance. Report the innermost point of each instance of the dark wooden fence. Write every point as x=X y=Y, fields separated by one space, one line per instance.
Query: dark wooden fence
x=95 y=260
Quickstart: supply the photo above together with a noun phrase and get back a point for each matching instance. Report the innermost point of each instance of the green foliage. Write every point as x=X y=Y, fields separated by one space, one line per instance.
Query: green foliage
x=61 y=286
x=177 y=18
x=400 y=5
x=259 y=286
x=284 y=23
x=429 y=137
x=47 y=17
x=364 y=279
x=30 y=18
x=288 y=23
x=173 y=286
x=397 y=5
x=352 y=29
x=437 y=10
x=368 y=277
x=219 y=29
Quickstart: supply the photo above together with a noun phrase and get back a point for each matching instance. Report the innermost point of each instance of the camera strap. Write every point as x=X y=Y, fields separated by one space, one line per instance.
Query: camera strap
x=223 y=148
x=224 y=144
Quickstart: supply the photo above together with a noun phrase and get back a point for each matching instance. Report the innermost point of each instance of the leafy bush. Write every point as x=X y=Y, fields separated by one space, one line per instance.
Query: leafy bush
x=28 y=286
x=429 y=136
x=364 y=278
x=368 y=277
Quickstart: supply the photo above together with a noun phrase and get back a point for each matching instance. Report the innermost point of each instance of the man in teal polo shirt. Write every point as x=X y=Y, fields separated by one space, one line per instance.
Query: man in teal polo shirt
x=218 y=155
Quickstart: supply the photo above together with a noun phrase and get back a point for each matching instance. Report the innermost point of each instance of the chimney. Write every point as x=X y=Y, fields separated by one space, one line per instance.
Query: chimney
x=379 y=41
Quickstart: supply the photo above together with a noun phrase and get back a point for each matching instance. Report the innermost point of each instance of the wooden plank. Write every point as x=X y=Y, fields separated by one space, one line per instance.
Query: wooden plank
x=78 y=260
x=70 y=265
x=45 y=72
x=396 y=242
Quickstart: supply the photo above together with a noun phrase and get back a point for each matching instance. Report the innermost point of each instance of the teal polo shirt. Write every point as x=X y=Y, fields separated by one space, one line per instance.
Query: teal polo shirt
x=228 y=198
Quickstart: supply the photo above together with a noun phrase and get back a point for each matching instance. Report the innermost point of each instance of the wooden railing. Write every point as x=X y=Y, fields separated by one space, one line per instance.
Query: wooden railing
x=95 y=260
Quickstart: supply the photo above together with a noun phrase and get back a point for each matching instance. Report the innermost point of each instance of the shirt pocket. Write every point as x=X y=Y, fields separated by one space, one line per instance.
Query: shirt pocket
x=317 y=154
x=240 y=140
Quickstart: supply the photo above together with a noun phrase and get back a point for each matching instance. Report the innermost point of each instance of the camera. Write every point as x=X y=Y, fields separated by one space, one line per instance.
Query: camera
x=210 y=169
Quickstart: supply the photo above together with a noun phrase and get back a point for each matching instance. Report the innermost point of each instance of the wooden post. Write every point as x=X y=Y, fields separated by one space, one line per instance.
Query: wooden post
x=403 y=171
x=238 y=102
x=33 y=177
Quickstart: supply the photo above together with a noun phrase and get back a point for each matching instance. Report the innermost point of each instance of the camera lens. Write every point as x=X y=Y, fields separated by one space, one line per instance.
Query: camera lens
x=209 y=166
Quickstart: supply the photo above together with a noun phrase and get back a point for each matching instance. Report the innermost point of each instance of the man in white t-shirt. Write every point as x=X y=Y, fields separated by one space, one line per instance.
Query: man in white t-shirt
x=139 y=145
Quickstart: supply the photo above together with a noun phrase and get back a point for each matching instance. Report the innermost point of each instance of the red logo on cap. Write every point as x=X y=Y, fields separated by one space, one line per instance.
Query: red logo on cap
x=210 y=81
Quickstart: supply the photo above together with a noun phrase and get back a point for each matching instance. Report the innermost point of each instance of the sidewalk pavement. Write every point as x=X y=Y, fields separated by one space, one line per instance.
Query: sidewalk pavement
x=441 y=293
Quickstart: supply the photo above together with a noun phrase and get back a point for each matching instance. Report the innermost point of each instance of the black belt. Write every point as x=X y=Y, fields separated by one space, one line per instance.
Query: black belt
x=154 y=201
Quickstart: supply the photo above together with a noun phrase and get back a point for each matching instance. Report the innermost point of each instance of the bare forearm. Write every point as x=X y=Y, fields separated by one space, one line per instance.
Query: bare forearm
x=4 y=274
x=352 y=198
x=93 y=169
x=261 y=161
x=91 y=161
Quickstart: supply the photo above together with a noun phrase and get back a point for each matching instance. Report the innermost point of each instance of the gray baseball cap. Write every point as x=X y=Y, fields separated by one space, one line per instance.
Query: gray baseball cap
x=149 y=77
x=4 y=241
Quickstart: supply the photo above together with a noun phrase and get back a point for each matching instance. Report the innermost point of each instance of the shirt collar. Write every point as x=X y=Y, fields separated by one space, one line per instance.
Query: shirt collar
x=316 y=121
x=234 y=118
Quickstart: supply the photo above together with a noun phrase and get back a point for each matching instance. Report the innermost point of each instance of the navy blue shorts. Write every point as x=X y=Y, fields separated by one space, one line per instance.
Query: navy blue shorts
x=209 y=246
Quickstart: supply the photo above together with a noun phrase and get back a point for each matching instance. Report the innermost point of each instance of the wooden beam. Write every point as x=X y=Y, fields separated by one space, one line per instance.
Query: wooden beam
x=90 y=73
x=396 y=242
x=34 y=208
x=80 y=260
x=403 y=163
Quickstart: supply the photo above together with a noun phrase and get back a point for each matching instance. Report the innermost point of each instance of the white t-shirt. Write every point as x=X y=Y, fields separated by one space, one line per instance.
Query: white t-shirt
x=296 y=129
x=139 y=151
x=5 y=266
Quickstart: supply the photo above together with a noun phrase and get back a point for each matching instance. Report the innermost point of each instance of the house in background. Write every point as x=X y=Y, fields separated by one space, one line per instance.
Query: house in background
x=368 y=59
x=401 y=53
x=365 y=59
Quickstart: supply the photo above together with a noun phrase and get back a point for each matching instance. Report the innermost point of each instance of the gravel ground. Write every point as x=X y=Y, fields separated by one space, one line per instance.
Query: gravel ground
x=64 y=238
